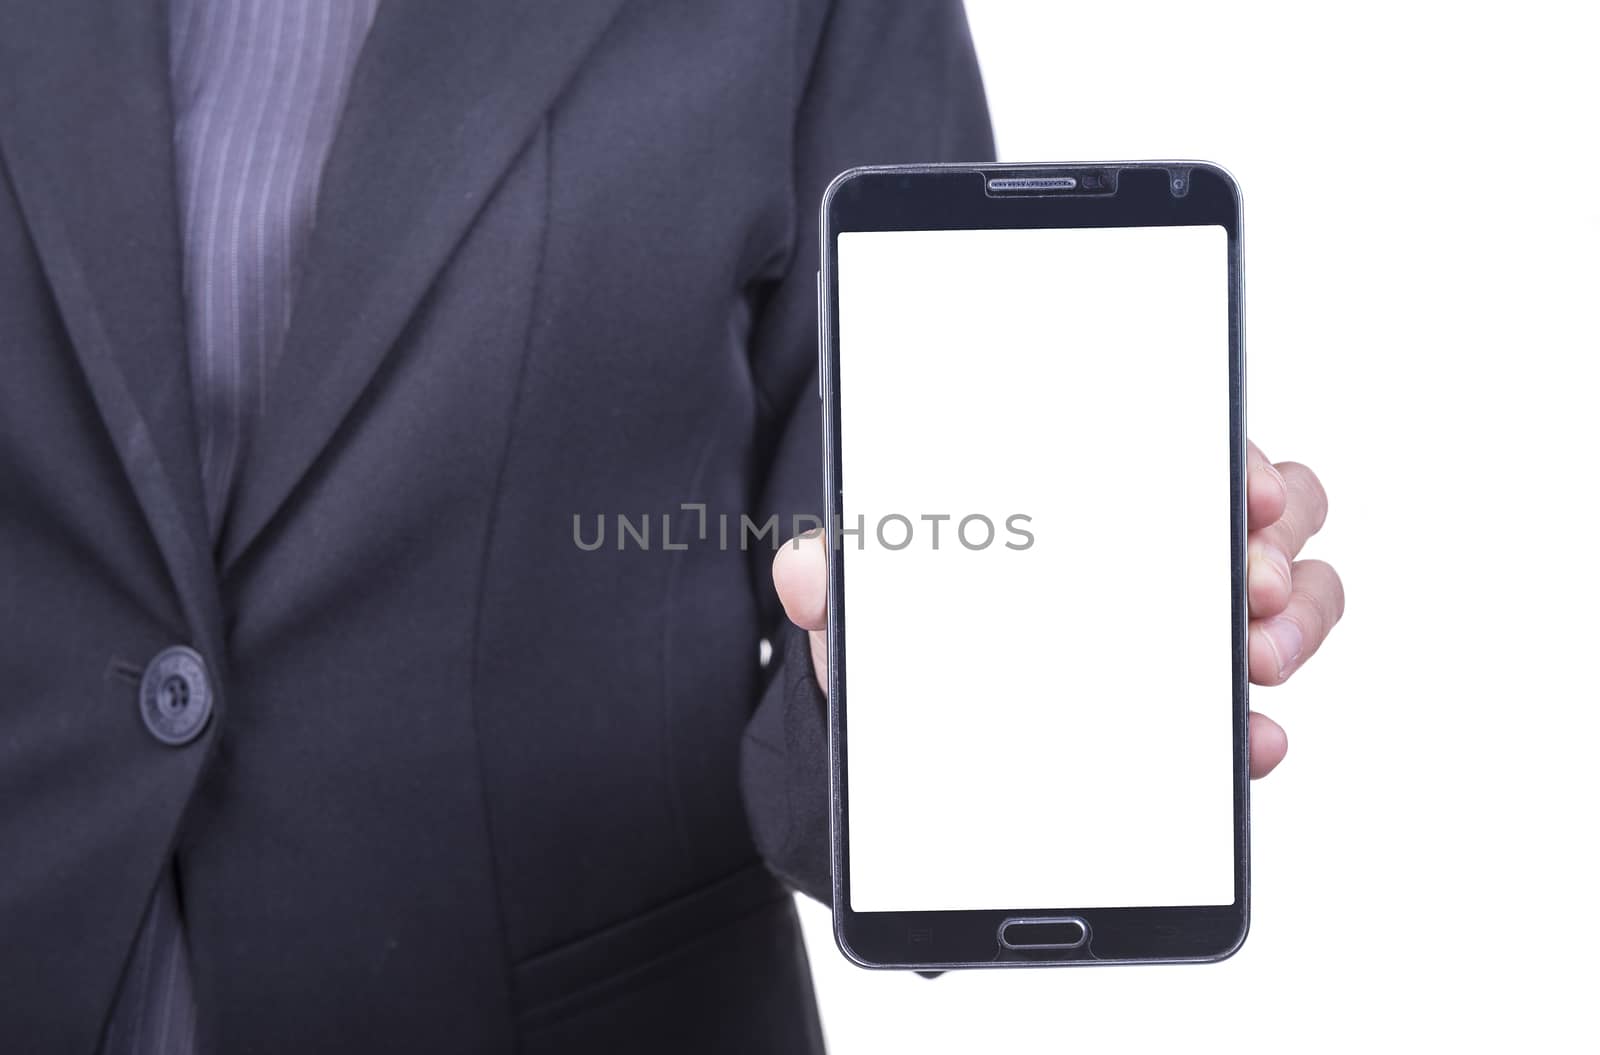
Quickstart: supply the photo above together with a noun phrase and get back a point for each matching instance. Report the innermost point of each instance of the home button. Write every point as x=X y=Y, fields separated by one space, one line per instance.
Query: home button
x=1063 y=932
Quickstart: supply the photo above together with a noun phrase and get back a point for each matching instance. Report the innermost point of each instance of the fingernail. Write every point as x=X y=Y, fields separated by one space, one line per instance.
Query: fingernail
x=1268 y=562
x=1279 y=561
x=1286 y=640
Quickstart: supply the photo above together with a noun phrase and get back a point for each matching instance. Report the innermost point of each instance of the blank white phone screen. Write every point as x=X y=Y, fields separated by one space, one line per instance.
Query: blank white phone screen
x=1034 y=450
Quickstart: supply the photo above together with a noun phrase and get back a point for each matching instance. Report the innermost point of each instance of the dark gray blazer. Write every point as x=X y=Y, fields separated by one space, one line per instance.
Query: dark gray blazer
x=467 y=787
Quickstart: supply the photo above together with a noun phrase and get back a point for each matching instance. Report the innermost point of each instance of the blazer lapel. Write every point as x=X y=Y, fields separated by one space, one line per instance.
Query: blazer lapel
x=443 y=99
x=86 y=132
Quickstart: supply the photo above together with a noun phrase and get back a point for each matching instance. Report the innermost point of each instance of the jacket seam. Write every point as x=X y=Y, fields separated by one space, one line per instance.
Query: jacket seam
x=537 y=285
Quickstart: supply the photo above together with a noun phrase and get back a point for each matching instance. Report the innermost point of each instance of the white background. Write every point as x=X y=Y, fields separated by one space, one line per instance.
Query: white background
x=1422 y=217
x=1040 y=372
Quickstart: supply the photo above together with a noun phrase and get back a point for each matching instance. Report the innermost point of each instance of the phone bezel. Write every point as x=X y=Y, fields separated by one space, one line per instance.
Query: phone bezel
x=957 y=197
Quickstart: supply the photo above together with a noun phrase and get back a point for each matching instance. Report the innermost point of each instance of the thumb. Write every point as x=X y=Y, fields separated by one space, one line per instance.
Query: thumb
x=800 y=572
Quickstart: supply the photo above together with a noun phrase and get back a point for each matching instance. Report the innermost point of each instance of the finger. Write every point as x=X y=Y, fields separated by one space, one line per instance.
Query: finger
x=800 y=572
x=1268 y=744
x=1267 y=577
x=1265 y=491
x=1279 y=645
x=1303 y=513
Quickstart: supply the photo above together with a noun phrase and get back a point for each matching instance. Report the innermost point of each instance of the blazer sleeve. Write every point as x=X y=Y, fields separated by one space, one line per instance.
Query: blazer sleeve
x=886 y=82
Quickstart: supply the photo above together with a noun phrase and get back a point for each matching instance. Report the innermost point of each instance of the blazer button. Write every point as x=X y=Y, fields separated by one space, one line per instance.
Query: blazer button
x=175 y=696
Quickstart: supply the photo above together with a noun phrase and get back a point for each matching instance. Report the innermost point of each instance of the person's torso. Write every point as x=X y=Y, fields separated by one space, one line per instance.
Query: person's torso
x=465 y=778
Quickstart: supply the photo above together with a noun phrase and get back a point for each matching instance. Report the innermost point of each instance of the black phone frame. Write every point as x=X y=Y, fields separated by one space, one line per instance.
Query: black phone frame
x=963 y=197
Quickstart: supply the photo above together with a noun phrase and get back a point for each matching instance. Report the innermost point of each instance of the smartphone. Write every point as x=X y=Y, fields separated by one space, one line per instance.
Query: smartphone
x=1033 y=389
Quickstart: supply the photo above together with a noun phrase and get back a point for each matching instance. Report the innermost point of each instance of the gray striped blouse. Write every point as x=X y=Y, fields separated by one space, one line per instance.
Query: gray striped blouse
x=257 y=89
